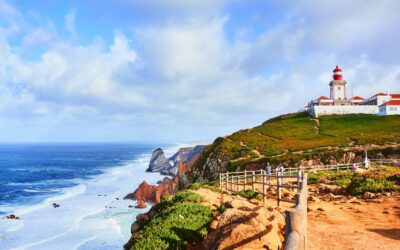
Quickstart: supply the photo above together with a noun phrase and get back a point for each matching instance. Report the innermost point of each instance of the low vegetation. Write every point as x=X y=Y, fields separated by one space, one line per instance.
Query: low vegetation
x=380 y=179
x=179 y=220
x=249 y=194
x=212 y=185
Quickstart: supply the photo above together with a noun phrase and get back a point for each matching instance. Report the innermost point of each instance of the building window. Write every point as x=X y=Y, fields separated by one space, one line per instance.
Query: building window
x=338 y=88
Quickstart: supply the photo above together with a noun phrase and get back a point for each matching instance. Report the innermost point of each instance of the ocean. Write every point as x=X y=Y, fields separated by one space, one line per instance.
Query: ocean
x=88 y=181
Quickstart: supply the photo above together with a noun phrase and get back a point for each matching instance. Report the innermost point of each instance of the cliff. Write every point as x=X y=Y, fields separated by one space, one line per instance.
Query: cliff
x=298 y=139
x=184 y=159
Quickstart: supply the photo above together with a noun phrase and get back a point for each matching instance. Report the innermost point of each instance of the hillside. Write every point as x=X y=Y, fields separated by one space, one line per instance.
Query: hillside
x=295 y=138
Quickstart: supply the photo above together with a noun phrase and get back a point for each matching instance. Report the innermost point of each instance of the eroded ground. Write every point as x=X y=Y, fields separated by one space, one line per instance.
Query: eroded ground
x=361 y=224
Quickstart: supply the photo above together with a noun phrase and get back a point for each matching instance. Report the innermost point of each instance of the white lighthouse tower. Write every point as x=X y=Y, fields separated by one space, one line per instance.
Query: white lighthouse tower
x=338 y=88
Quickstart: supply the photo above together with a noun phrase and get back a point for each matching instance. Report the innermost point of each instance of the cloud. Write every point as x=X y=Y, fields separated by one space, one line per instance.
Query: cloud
x=197 y=72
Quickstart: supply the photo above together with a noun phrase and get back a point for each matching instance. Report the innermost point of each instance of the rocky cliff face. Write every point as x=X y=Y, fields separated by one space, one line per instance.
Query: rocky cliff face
x=169 y=166
x=182 y=162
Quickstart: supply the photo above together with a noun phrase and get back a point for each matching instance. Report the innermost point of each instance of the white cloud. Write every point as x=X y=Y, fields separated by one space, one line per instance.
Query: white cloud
x=191 y=74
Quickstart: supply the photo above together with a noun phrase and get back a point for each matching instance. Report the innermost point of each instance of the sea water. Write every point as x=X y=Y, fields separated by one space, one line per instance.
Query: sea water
x=88 y=181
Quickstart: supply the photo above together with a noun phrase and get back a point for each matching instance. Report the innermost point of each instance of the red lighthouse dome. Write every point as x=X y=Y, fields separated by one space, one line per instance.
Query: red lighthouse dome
x=337 y=74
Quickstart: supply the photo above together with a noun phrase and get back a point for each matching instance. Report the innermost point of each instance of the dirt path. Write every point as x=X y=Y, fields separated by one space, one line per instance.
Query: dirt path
x=369 y=225
x=267 y=136
x=318 y=125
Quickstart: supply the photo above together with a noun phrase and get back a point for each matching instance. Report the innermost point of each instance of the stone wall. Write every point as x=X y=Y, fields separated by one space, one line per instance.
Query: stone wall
x=317 y=111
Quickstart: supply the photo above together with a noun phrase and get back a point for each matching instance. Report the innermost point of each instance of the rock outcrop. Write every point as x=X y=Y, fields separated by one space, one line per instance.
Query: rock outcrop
x=158 y=161
x=169 y=166
x=145 y=192
x=244 y=224
x=184 y=160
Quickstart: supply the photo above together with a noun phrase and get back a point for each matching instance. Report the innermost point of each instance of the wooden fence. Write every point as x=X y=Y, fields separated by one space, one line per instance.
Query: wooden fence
x=296 y=218
x=391 y=162
x=260 y=181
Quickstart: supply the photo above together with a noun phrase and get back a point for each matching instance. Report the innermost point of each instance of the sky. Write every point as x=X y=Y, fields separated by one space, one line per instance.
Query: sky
x=179 y=70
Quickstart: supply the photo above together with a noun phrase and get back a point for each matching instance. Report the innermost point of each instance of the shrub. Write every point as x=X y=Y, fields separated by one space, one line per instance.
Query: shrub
x=341 y=178
x=195 y=186
x=373 y=184
x=249 y=194
x=179 y=219
x=223 y=207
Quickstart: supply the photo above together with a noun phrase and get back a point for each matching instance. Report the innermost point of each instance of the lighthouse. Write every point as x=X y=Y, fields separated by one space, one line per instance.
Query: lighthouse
x=338 y=88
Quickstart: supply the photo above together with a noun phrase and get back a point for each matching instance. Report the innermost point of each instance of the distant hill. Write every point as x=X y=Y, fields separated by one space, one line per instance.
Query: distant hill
x=295 y=138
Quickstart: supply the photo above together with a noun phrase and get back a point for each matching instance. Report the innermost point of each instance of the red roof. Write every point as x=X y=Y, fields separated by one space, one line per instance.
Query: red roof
x=323 y=98
x=337 y=69
x=379 y=94
x=357 y=98
x=395 y=95
x=391 y=103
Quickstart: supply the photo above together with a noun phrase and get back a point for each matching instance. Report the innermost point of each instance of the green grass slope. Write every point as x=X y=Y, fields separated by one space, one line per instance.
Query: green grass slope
x=299 y=136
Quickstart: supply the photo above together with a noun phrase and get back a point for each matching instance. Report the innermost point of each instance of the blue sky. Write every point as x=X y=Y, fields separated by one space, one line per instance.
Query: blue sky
x=178 y=70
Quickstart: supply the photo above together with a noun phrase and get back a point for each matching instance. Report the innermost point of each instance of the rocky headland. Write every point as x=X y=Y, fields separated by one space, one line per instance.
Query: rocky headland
x=175 y=166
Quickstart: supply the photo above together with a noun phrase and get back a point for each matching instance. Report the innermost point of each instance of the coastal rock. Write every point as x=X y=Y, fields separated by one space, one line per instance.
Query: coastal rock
x=158 y=161
x=368 y=195
x=142 y=218
x=169 y=166
x=135 y=227
x=145 y=192
x=140 y=204
x=12 y=217
x=247 y=226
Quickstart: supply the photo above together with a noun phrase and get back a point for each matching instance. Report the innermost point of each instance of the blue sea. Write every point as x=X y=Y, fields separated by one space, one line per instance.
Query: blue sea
x=88 y=181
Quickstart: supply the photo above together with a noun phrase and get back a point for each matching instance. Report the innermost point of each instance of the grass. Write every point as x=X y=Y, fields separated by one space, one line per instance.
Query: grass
x=179 y=220
x=281 y=136
x=292 y=138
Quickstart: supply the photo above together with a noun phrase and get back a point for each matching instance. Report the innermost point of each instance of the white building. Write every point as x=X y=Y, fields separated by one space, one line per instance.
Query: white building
x=391 y=107
x=380 y=99
x=339 y=104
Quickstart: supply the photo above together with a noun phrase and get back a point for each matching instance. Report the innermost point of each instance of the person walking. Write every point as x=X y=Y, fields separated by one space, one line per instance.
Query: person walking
x=268 y=169
x=280 y=171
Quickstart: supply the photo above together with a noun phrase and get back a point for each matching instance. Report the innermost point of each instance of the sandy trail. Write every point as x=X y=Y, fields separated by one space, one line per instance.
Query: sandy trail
x=369 y=225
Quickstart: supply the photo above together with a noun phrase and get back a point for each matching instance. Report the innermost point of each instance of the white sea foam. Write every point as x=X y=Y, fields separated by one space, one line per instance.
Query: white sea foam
x=89 y=217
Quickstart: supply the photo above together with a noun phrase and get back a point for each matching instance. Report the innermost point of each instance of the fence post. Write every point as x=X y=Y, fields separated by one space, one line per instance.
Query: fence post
x=245 y=180
x=296 y=220
x=226 y=180
x=298 y=181
x=220 y=180
x=263 y=187
x=231 y=181
x=237 y=182
x=254 y=180
x=278 y=194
